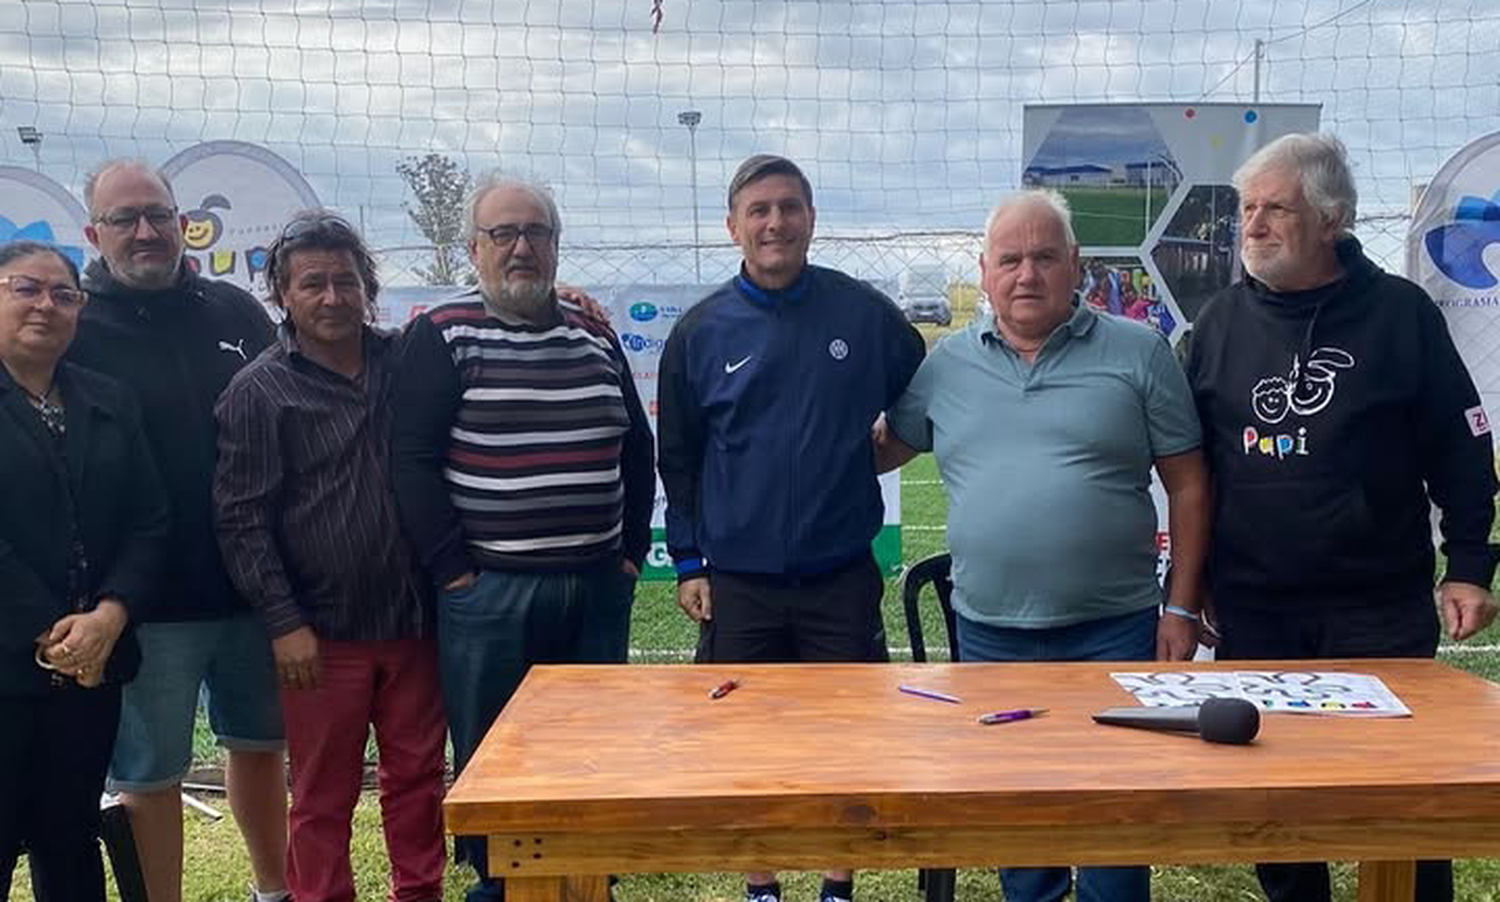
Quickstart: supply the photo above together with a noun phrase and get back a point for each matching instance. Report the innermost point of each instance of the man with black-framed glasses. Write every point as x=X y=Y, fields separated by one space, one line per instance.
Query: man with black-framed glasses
x=523 y=470
x=176 y=339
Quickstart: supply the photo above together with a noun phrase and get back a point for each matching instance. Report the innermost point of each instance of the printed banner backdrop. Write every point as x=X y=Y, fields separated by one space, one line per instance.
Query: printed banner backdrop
x=1156 y=219
x=1148 y=184
x=643 y=315
x=237 y=197
x=34 y=207
x=1453 y=251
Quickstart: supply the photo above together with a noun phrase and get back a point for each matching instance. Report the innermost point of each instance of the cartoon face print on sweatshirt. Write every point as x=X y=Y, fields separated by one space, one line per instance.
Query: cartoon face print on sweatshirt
x=1305 y=390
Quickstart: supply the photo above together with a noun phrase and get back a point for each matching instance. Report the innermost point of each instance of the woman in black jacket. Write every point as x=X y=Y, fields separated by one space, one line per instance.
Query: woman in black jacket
x=83 y=522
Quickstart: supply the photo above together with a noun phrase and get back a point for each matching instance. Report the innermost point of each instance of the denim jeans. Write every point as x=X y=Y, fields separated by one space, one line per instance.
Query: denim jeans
x=492 y=631
x=1128 y=637
x=231 y=659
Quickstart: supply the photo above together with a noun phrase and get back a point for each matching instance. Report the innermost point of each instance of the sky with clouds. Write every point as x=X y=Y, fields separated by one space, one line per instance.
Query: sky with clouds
x=907 y=115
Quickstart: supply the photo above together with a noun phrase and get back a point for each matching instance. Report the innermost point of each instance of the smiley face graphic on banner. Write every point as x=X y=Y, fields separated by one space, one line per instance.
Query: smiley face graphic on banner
x=236 y=198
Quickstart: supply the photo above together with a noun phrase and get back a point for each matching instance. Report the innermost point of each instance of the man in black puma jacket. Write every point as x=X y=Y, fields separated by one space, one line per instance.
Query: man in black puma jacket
x=176 y=339
x=1335 y=409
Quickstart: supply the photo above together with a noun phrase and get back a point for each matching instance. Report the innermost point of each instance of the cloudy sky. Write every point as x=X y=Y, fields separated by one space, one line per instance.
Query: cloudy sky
x=907 y=115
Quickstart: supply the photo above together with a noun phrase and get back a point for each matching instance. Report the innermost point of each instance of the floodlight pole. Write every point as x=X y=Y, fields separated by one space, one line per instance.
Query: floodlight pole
x=1260 y=51
x=1148 y=194
x=691 y=118
x=32 y=138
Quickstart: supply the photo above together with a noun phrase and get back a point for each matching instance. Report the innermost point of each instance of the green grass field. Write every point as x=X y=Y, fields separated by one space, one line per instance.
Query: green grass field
x=1113 y=216
x=217 y=870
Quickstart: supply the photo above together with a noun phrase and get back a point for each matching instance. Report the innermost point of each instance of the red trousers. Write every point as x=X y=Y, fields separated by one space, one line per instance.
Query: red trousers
x=394 y=687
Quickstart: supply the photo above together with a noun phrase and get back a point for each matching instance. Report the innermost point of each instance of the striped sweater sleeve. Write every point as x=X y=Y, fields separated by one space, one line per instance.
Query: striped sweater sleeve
x=637 y=467
x=424 y=406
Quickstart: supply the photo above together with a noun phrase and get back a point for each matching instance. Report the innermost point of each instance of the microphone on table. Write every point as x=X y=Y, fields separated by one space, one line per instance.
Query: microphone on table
x=1233 y=721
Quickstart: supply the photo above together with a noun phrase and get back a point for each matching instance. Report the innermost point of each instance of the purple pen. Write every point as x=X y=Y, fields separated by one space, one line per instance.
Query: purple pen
x=928 y=693
x=1008 y=716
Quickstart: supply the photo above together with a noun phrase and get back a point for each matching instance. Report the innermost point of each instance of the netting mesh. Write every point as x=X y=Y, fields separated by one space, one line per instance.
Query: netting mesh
x=907 y=115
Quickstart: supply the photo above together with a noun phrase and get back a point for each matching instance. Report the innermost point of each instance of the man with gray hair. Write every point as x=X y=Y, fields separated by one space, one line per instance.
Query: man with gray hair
x=1051 y=406
x=1335 y=411
x=522 y=461
x=176 y=339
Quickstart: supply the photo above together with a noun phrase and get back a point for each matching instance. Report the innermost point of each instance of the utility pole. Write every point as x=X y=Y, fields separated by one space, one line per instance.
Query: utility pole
x=691 y=118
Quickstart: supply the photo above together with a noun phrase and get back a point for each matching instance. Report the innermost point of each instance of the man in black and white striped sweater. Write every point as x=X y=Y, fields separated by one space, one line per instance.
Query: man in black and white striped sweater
x=523 y=468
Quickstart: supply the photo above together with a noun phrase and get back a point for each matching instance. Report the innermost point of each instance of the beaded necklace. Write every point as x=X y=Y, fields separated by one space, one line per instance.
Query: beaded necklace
x=50 y=411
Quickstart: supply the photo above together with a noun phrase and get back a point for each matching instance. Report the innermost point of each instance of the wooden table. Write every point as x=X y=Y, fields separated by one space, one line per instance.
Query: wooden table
x=598 y=770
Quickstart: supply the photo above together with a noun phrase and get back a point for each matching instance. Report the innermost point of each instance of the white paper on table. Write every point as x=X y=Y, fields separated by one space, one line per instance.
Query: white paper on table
x=1273 y=691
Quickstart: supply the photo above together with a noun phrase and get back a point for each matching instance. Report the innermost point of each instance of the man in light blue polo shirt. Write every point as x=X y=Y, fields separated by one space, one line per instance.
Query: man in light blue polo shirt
x=1046 y=421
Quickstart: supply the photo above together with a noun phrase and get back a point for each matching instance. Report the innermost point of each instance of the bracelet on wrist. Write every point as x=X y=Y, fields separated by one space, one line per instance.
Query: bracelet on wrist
x=690 y=568
x=1182 y=612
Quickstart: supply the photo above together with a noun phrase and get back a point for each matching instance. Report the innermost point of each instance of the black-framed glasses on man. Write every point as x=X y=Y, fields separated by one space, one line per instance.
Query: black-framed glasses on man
x=535 y=233
x=26 y=290
x=126 y=217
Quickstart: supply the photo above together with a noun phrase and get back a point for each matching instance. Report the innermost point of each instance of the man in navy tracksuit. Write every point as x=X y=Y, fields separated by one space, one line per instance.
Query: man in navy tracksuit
x=769 y=388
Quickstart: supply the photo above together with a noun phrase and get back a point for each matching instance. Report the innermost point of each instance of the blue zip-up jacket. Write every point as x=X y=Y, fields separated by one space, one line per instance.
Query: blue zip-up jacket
x=765 y=404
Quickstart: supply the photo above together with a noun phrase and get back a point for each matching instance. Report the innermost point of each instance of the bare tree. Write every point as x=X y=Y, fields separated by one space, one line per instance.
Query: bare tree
x=438 y=185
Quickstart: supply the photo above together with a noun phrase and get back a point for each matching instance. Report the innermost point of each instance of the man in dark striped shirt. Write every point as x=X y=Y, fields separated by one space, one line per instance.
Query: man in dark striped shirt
x=308 y=525
x=523 y=465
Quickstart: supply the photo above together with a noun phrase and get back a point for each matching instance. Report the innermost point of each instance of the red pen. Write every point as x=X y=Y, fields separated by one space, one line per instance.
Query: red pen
x=1009 y=716
x=724 y=688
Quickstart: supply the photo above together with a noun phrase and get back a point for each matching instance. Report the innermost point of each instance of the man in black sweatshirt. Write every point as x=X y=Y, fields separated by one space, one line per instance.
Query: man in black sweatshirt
x=1335 y=410
x=176 y=339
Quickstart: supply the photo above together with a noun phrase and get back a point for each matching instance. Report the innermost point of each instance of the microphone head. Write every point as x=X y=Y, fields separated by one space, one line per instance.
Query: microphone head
x=1233 y=721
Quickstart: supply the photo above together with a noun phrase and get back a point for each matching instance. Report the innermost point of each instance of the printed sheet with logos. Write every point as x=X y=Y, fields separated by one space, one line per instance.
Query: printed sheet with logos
x=1273 y=691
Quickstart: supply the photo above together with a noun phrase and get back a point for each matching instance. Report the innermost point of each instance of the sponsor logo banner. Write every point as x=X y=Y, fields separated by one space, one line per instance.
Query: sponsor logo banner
x=1453 y=251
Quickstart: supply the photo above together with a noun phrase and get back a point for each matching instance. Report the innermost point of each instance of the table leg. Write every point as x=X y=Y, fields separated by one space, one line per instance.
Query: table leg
x=1387 y=881
x=594 y=888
